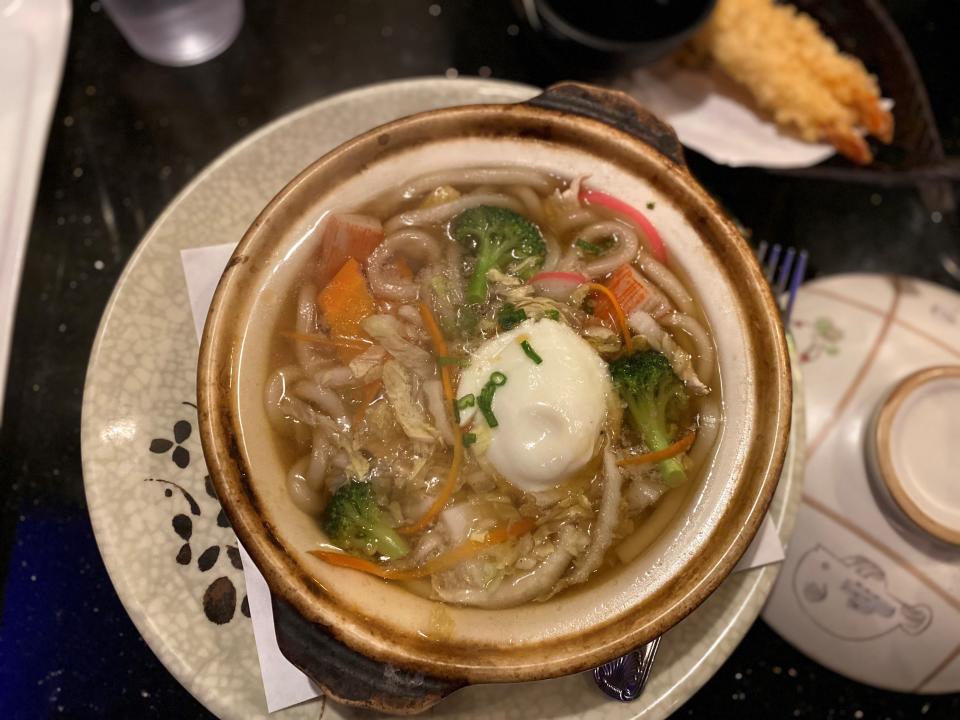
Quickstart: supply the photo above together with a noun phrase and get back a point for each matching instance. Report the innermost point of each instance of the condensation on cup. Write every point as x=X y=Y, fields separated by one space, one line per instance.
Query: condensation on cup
x=177 y=32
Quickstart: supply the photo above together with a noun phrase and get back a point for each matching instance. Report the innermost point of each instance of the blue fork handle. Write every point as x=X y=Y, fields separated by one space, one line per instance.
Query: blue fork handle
x=623 y=679
x=799 y=271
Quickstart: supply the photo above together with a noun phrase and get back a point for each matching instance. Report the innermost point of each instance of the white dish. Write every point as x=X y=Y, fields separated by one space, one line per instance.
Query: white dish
x=912 y=454
x=863 y=591
x=33 y=42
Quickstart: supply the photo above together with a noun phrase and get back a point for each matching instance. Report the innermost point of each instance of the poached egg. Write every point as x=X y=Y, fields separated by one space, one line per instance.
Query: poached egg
x=549 y=415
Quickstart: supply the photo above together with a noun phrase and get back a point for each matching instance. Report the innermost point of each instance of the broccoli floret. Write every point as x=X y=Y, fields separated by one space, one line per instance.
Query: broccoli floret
x=655 y=397
x=354 y=523
x=497 y=237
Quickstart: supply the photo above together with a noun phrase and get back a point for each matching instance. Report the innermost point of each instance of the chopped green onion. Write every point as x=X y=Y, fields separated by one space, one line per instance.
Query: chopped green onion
x=462 y=404
x=589 y=247
x=444 y=360
x=509 y=316
x=485 y=401
x=487 y=410
x=530 y=352
x=651 y=205
x=469 y=439
x=553 y=314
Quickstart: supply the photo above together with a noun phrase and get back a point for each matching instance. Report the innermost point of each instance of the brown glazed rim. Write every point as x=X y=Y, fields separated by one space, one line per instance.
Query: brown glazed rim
x=744 y=510
x=883 y=430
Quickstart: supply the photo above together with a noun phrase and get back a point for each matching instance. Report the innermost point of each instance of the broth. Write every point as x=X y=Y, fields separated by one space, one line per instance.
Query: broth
x=486 y=381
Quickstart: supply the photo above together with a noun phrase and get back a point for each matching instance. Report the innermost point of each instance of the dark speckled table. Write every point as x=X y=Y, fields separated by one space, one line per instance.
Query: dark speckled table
x=127 y=135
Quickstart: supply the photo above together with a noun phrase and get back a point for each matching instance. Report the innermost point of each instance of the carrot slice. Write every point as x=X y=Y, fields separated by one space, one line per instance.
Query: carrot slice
x=464 y=551
x=681 y=445
x=345 y=302
x=450 y=484
x=616 y=311
x=344 y=237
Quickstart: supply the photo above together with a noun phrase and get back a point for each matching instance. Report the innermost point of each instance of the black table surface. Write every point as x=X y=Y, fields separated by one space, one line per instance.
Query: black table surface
x=127 y=135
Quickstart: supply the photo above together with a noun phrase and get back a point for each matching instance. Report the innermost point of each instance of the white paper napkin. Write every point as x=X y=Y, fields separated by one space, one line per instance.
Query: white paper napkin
x=284 y=685
x=33 y=42
x=718 y=118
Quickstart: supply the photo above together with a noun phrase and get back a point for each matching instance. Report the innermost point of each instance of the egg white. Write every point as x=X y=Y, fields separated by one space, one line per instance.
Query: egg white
x=550 y=414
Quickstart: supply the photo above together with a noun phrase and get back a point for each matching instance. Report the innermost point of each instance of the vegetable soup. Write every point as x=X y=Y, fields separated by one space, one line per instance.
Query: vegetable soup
x=491 y=383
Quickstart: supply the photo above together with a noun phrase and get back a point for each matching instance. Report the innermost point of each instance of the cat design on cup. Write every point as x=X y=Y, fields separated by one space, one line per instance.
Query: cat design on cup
x=848 y=597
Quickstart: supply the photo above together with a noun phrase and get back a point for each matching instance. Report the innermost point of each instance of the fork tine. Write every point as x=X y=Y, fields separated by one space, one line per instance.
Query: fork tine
x=762 y=251
x=784 y=272
x=798 y=272
x=772 y=261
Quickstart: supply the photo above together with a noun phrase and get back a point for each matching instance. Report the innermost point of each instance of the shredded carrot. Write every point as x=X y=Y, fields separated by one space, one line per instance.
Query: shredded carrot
x=450 y=484
x=681 y=445
x=446 y=491
x=345 y=302
x=618 y=315
x=330 y=341
x=471 y=548
x=464 y=551
x=439 y=349
x=502 y=533
x=344 y=560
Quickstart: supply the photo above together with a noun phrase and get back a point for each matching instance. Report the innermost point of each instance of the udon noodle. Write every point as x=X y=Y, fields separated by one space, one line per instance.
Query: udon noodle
x=488 y=380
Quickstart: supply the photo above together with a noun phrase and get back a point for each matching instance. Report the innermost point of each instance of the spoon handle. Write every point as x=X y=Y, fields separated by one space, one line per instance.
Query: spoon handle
x=624 y=678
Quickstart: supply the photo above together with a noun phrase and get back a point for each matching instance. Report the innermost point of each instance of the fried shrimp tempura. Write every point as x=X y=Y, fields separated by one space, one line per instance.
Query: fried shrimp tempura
x=797 y=74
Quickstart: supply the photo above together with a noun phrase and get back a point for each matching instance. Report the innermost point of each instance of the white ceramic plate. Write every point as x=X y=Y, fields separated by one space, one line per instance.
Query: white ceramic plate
x=862 y=591
x=165 y=544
